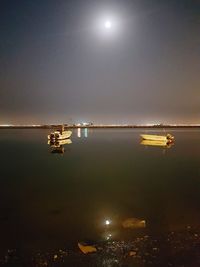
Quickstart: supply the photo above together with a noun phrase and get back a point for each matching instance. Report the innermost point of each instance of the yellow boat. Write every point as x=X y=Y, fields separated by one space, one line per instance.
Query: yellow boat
x=164 y=144
x=154 y=137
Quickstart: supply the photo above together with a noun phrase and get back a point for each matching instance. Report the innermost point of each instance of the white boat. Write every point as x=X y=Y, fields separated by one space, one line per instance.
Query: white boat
x=166 y=138
x=59 y=135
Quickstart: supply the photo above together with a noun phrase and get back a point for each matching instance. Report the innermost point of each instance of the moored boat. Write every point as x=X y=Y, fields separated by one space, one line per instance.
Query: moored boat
x=164 y=144
x=59 y=135
x=166 y=138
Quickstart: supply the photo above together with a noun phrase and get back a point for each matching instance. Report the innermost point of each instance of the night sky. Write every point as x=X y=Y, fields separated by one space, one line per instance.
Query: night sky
x=59 y=64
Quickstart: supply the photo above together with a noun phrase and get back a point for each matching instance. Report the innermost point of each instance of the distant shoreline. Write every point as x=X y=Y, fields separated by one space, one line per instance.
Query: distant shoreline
x=53 y=126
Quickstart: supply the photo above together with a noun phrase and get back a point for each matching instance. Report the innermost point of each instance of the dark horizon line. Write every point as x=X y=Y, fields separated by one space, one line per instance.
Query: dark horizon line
x=70 y=126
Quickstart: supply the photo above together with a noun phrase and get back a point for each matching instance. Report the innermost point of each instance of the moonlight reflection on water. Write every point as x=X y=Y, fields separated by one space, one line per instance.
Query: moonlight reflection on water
x=133 y=202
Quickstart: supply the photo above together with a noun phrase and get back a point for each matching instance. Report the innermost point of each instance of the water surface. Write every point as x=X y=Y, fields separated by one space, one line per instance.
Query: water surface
x=51 y=200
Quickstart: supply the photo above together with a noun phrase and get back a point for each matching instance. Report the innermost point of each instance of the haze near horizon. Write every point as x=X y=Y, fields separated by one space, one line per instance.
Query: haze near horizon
x=99 y=61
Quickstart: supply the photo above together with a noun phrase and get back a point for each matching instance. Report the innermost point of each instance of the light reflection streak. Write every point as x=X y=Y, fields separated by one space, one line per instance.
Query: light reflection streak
x=79 y=132
x=86 y=132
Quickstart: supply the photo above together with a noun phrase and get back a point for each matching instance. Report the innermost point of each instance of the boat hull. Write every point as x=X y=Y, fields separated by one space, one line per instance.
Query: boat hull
x=59 y=136
x=158 y=143
x=152 y=137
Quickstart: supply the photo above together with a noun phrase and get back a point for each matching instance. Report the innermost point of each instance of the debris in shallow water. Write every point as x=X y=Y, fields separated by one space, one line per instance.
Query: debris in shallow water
x=155 y=249
x=55 y=257
x=87 y=249
x=132 y=253
x=178 y=247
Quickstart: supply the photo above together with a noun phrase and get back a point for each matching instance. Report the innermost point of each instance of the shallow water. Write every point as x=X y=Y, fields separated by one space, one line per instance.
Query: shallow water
x=50 y=200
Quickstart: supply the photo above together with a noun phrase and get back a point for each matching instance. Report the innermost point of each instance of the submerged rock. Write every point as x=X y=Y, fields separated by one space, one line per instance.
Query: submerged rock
x=133 y=223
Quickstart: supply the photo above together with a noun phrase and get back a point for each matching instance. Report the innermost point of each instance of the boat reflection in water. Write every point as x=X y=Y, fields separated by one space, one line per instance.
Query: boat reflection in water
x=58 y=146
x=159 y=143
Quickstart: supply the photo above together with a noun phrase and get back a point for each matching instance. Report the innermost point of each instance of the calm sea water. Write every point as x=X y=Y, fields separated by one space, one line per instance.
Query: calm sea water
x=50 y=200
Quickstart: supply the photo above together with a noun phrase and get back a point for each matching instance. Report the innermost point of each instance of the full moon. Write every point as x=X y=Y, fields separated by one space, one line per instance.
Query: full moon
x=107 y=24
